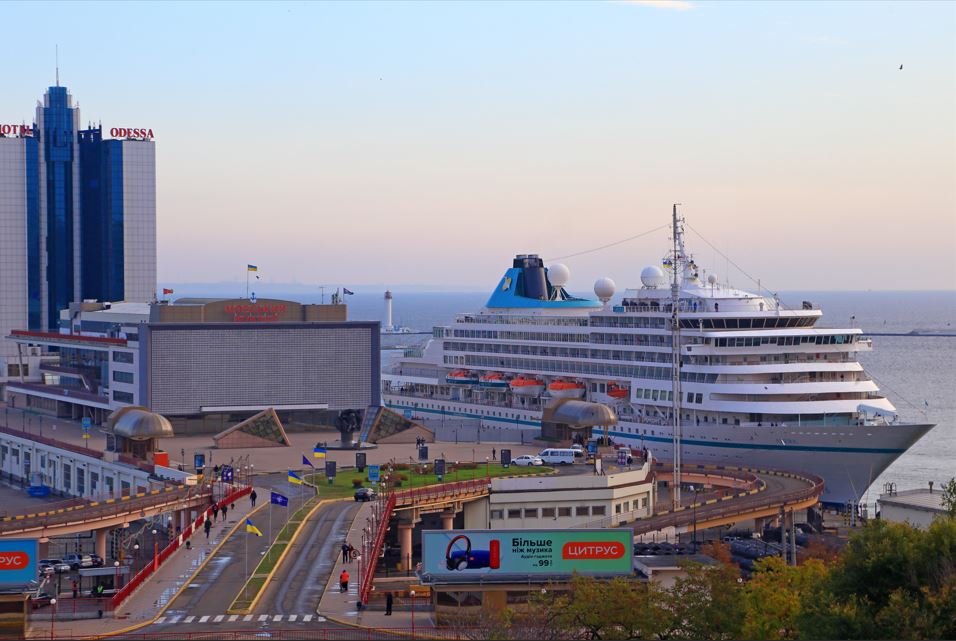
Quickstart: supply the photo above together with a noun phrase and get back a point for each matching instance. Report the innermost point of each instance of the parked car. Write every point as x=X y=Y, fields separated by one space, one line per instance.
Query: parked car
x=98 y=561
x=56 y=565
x=40 y=600
x=527 y=459
x=78 y=561
x=45 y=569
x=365 y=494
x=562 y=456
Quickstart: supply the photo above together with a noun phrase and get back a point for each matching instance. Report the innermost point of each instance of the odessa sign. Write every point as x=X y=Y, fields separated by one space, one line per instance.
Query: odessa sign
x=128 y=132
x=459 y=555
x=18 y=561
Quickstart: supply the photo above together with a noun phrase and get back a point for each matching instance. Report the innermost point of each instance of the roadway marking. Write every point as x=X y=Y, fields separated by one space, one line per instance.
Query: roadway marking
x=160 y=620
x=173 y=619
x=248 y=617
x=219 y=617
x=293 y=617
x=204 y=619
x=263 y=617
x=189 y=619
x=233 y=617
x=277 y=617
x=306 y=618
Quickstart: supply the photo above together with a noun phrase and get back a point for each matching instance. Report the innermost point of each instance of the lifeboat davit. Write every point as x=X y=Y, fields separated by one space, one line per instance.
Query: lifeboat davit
x=461 y=377
x=616 y=390
x=527 y=386
x=566 y=389
x=493 y=379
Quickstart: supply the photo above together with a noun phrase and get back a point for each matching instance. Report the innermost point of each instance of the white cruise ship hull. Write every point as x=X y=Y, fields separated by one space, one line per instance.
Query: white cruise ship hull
x=849 y=457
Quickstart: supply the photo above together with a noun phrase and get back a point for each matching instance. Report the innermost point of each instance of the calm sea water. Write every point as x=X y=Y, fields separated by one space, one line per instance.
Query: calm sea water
x=918 y=374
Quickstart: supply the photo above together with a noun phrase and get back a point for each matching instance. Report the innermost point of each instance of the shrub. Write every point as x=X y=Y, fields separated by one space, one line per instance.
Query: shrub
x=467 y=466
x=397 y=483
x=357 y=482
x=401 y=477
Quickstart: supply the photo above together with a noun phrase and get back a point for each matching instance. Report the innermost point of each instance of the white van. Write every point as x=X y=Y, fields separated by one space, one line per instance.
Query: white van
x=554 y=456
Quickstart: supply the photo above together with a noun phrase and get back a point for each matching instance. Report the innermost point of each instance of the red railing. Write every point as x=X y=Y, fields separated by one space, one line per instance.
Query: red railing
x=23 y=333
x=366 y=586
x=442 y=491
x=166 y=552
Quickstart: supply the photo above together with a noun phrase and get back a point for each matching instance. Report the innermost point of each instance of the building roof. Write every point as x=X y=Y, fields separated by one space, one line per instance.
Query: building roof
x=138 y=423
x=576 y=413
x=921 y=499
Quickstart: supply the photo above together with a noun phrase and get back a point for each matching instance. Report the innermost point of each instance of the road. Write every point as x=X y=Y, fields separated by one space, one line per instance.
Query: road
x=290 y=601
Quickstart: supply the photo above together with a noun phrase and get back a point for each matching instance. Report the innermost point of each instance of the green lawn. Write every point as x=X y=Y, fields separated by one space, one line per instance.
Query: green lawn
x=342 y=483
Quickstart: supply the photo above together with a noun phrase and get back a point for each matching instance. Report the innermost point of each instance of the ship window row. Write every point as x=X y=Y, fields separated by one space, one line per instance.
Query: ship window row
x=756 y=341
x=753 y=359
x=524 y=320
x=660 y=322
x=584 y=367
x=655 y=340
x=541 y=337
x=525 y=350
x=747 y=323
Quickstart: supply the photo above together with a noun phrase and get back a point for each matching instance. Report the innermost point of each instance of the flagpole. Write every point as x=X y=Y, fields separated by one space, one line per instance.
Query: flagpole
x=247 y=282
x=245 y=589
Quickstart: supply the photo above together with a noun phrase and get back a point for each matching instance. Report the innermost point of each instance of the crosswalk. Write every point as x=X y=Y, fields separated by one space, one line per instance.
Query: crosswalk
x=237 y=618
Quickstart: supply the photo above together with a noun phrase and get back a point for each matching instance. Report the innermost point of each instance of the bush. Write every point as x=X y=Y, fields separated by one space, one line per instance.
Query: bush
x=467 y=466
x=400 y=466
x=357 y=482
x=397 y=484
x=401 y=477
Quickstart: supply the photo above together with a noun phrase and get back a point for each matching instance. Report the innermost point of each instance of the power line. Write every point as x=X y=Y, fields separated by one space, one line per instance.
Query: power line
x=617 y=242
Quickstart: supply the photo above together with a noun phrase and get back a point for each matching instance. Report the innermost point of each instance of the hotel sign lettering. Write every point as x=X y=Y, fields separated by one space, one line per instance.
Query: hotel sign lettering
x=20 y=131
x=255 y=313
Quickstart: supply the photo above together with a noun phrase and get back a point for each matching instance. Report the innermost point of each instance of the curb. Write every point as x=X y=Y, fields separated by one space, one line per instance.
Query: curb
x=279 y=561
x=185 y=584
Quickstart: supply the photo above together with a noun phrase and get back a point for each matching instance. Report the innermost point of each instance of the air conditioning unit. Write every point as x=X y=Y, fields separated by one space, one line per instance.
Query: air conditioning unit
x=36 y=351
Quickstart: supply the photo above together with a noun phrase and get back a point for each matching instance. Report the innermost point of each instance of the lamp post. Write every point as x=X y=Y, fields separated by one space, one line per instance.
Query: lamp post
x=488 y=467
x=155 y=552
x=52 y=617
x=116 y=575
x=695 y=489
x=136 y=552
x=412 y=594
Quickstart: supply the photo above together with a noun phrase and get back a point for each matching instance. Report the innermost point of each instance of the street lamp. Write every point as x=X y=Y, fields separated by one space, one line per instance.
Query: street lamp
x=52 y=617
x=412 y=594
x=488 y=466
x=136 y=552
x=695 y=489
x=155 y=552
x=116 y=575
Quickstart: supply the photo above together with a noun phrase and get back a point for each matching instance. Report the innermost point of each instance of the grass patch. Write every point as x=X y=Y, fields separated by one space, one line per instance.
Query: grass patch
x=413 y=476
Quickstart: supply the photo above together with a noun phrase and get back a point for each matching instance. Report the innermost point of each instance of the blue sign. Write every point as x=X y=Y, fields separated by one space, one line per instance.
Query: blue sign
x=592 y=447
x=407 y=413
x=373 y=473
x=199 y=461
x=18 y=561
x=227 y=474
x=87 y=422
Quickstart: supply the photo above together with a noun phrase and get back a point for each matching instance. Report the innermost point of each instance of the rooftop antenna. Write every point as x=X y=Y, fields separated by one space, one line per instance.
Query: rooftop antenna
x=57 y=65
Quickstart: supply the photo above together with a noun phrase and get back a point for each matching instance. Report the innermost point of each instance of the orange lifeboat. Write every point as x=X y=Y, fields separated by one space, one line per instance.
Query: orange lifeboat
x=566 y=389
x=526 y=386
x=493 y=380
x=616 y=390
x=461 y=377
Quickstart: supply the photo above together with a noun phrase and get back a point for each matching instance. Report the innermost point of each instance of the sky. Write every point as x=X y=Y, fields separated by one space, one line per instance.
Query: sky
x=424 y=144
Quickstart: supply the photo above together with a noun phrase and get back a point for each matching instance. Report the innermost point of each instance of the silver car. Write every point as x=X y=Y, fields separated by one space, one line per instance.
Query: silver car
x=526 y=460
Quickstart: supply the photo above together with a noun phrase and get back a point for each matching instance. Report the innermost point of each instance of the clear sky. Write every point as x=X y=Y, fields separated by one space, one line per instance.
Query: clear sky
x=427 y=143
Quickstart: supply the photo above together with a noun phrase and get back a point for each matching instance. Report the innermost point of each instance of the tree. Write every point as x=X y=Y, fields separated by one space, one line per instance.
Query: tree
x=949 y=497
x=615 y=609
x=706 y=604
x=774 y=597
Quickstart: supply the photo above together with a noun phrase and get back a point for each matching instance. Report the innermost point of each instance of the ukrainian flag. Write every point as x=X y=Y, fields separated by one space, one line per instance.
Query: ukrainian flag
x=294 y=478
x=252 y=268
x=252 y=529
x=318 y=452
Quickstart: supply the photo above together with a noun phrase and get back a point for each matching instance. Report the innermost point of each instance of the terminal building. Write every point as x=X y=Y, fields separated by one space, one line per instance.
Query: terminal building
x=205 y=364
x=77 y=221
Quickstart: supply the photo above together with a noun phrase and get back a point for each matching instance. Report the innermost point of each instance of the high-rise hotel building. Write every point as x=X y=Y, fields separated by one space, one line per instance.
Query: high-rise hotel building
x=77 y=222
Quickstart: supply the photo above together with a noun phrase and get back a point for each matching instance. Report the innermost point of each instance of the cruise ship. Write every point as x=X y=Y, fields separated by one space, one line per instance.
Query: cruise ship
x=760 y=384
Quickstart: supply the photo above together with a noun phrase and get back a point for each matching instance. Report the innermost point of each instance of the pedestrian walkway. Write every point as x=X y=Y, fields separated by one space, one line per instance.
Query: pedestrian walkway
x=234 y=618
x=155 y=595
x=343 y=607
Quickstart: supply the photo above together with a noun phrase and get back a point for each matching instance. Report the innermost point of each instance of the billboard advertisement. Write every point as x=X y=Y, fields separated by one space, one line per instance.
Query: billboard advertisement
x=462 y=555
x=18 y=561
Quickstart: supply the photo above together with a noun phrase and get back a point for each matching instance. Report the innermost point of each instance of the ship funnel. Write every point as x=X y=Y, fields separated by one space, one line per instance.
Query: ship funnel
x=533 y=275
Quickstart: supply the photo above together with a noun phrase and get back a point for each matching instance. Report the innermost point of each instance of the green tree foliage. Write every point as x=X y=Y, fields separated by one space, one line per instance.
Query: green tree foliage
x=773 y=599
x=706 y=604
x=949 y=497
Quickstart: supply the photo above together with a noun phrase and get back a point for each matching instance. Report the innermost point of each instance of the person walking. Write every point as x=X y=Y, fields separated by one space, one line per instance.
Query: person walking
x=493 y=454
x=351 y=553
x=215 y=512
x=345 y=553
x=388 y=604
x=344 y=581
x=225 y=508
x=76 y=589
x=252 y=497
x=207 y=526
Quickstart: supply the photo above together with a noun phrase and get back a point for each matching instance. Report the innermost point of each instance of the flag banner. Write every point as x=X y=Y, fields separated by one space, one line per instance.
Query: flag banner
x=347 y=291
x=227 y=474
x=319 y=452
x=279 y=499
x=306 y=461
x=294 y=478
x=167 y=292
x=252 y=529
x=252 y=268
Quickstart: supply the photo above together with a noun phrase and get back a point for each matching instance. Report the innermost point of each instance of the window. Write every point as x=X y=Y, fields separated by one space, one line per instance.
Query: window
x=80 y=481
x=514 y=513
x=14 y=370
x=122 y=357
x=94 y=482
x=531 y=513
x=497 y=515
x=617 y=508
x=564 y=511
x=122 y=397
x=109 y=485
x=598 y=510
x=582 y=510
x=67 y=472
x=123 y=377
x=547 y=512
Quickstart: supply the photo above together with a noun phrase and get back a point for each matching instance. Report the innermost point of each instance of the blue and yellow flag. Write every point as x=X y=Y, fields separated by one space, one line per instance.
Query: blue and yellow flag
x=294 y=478
x=252 y=529
x=318 y=452
x=306 y=461
x=252 y=268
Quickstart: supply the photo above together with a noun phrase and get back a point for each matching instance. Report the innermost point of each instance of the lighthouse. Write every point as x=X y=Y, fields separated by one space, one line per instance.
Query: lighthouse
x=388 y=311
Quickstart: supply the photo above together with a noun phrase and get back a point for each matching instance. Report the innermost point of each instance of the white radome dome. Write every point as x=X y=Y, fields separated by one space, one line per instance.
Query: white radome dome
x=712 y=279
x=653 y=276
x=604 y=288
x=559 y=274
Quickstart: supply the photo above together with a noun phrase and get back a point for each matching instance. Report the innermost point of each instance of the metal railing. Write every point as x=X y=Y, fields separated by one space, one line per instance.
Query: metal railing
x=369 y=575
x=341 y=633
x=441 y=491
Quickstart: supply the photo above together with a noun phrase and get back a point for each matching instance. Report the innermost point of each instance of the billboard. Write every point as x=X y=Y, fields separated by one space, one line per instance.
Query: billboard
x=18 y=561
x=464 y=555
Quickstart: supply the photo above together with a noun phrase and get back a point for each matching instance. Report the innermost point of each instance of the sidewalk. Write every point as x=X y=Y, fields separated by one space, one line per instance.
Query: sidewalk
x=343 y=608
x=158 y=592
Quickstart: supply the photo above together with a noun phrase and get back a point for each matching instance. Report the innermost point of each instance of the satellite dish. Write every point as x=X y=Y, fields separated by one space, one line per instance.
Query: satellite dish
x=604 y=288
x=653 y=276
x=712 y=279
x=559 y=275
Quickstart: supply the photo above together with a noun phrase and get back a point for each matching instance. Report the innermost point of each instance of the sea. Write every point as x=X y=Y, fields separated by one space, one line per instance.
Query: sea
x=917 y=373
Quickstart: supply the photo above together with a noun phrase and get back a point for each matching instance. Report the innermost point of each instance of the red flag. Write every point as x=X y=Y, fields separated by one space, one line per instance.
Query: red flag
x=167 y=291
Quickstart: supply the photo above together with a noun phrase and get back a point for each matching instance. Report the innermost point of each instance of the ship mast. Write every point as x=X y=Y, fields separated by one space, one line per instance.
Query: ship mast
x=678 y=259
